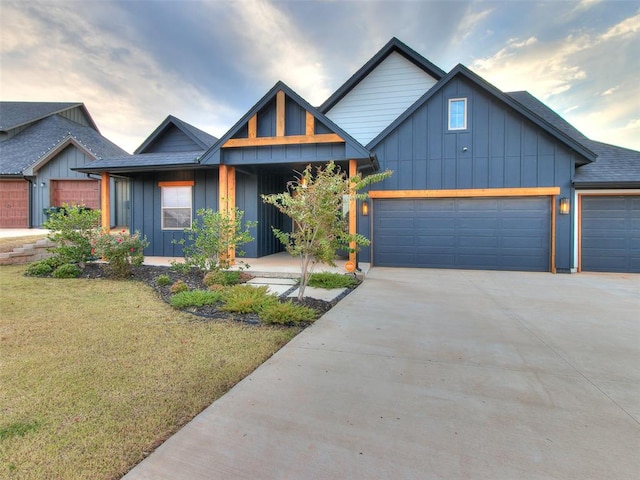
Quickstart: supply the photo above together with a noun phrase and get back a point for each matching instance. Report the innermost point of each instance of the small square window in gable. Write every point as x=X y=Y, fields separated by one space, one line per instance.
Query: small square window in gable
x=457 y=114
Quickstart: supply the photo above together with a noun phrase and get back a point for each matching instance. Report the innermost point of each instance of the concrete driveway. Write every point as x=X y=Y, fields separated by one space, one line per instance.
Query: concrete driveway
x=437 y=374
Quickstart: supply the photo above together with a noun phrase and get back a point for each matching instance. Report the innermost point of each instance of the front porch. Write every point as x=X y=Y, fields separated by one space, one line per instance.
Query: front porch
x=279 y=264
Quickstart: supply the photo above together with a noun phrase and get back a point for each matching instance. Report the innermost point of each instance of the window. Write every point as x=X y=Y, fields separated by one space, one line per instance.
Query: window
x=457 y=114
x=176 y=206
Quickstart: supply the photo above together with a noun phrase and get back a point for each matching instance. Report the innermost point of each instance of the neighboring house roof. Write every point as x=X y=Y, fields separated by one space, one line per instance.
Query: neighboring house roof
x=582 y=149
x=353 y=149
x=143 y=161
x=613 y=165
x=394 y=45
x=199 y=137
x=17 y=114
x=34 y=146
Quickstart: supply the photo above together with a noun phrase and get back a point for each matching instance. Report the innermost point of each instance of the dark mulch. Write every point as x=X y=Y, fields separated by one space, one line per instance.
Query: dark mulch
x=194 y=279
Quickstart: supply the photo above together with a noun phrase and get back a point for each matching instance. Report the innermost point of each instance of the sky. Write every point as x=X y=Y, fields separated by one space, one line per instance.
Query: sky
x=134 y=62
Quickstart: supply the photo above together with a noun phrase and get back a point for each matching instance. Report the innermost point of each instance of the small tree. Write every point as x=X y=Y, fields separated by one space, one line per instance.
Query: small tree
x=213 y=236
x=73 y=228
x=314 y=202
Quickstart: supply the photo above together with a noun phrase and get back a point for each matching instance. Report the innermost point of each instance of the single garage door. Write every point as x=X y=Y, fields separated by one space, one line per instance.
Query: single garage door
x=610 y=233
x=473 y=233
x=76 y=192
x=14 y=204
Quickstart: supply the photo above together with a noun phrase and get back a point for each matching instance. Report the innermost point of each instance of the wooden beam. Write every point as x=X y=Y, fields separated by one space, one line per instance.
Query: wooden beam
x=280 y=114
x=470 y=192
x=231 y=206
x=105 y=201
x=353 y=214
x=181 y=183
x=288 y=140
x=252 y=126
x=222 y=188
x=310 y=124
x=553 y=233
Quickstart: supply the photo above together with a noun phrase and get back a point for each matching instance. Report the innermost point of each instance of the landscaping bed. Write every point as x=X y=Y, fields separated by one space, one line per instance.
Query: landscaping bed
x=194 y=279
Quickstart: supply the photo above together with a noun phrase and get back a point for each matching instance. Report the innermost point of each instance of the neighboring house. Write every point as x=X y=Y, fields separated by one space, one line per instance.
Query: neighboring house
x=482 y=179
x=39 y=144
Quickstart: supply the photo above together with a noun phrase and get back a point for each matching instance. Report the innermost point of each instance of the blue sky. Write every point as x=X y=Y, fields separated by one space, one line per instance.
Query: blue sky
x=207 y=62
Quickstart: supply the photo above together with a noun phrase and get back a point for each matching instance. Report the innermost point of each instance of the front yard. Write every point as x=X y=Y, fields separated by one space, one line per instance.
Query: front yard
x=94 y=374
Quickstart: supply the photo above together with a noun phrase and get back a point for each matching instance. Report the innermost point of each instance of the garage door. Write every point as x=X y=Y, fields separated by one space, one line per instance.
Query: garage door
x=14 y=204
x=610 y=233
x=482 y=233
x=76 y=192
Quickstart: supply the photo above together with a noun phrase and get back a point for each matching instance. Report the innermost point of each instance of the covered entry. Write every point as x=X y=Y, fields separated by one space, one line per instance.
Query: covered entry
x=501 y=233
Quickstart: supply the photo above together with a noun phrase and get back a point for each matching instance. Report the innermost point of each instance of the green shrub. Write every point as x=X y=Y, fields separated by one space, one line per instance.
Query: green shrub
x=332 y=280
x=284 y=313
x=68 y=270
x=247 y=299
x=163 y=280
x=122 y=250
x=73 y=228
x=179 y=286
x=222 y=277
x=195 y=298
x=180 y=267
x=39 y=269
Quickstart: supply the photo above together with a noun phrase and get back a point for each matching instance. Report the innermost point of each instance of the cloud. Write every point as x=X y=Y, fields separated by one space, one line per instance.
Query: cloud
x=610 y=91
x=627 y=28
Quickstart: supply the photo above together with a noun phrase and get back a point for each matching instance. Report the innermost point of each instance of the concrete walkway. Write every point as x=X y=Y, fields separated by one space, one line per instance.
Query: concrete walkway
x=430 y=374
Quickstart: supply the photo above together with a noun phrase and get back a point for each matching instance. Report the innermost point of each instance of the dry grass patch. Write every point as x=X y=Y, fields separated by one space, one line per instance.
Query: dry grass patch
x=96 y=373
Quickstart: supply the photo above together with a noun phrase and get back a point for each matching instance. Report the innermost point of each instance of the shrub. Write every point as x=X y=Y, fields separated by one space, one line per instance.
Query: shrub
x=284 y=313
x=212 y=236
x=195 y=298
x=39 y=269
x=68 y=270
x=121 y=250
x=332 y=280
x=222 y=277
x=179 y=286
x=180 y=267
x=163 y=280
x=247 y=299
x=73 y=228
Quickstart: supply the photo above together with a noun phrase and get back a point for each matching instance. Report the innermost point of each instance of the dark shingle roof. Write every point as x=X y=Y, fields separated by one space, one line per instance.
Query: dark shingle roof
x=143 y=161
x=204 y=137
x=33 y=144
x=613 y=165
x=16 y=114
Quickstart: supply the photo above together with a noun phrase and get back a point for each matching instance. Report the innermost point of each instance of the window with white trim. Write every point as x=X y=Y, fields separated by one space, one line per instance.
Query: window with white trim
x=457 y=114
x=176 y=207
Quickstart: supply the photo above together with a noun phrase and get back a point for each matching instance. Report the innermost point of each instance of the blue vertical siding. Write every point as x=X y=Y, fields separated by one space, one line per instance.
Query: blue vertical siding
x=173 y=140
x=503 y=150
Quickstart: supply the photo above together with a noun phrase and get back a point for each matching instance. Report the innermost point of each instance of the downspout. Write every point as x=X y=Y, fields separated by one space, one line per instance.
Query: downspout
x=30 y=214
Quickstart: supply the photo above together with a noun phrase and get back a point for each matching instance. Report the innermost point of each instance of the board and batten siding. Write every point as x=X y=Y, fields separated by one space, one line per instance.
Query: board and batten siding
x=380 y=97
x=173 y=140
x=499 y=149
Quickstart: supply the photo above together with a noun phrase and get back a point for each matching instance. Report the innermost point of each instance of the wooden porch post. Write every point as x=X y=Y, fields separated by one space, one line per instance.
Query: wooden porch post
x=105 y=201
x=227 y=198
x=353 y=214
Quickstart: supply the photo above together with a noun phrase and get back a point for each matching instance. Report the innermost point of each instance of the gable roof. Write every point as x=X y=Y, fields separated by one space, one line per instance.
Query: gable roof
x=393 y=45
x=199 y=137
x=144 y=162
x=353 y=149
x=460 y=70
x=613 y=165
x=36 y=144
x=17 y=114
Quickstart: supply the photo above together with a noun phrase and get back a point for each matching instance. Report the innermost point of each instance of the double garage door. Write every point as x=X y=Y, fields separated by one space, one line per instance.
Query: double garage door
x=473 y=233
x=610 y=233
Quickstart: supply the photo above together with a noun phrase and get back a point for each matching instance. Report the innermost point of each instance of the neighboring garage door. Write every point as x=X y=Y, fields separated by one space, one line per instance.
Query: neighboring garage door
x=14 y=204
x=76 y=192
x=610 y=233
x=474 y=233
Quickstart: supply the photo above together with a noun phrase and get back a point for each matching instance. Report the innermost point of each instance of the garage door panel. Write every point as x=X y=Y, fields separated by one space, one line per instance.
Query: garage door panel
x=76 y=192
x=476 y=233
x=14 y=204
x=610 y=233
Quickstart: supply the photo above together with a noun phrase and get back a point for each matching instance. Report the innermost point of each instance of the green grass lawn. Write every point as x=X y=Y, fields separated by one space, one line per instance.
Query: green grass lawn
x=94 y=374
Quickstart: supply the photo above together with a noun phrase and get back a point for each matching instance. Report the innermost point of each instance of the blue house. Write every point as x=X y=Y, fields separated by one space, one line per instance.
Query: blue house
x=483 y=179
x=40 y=142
